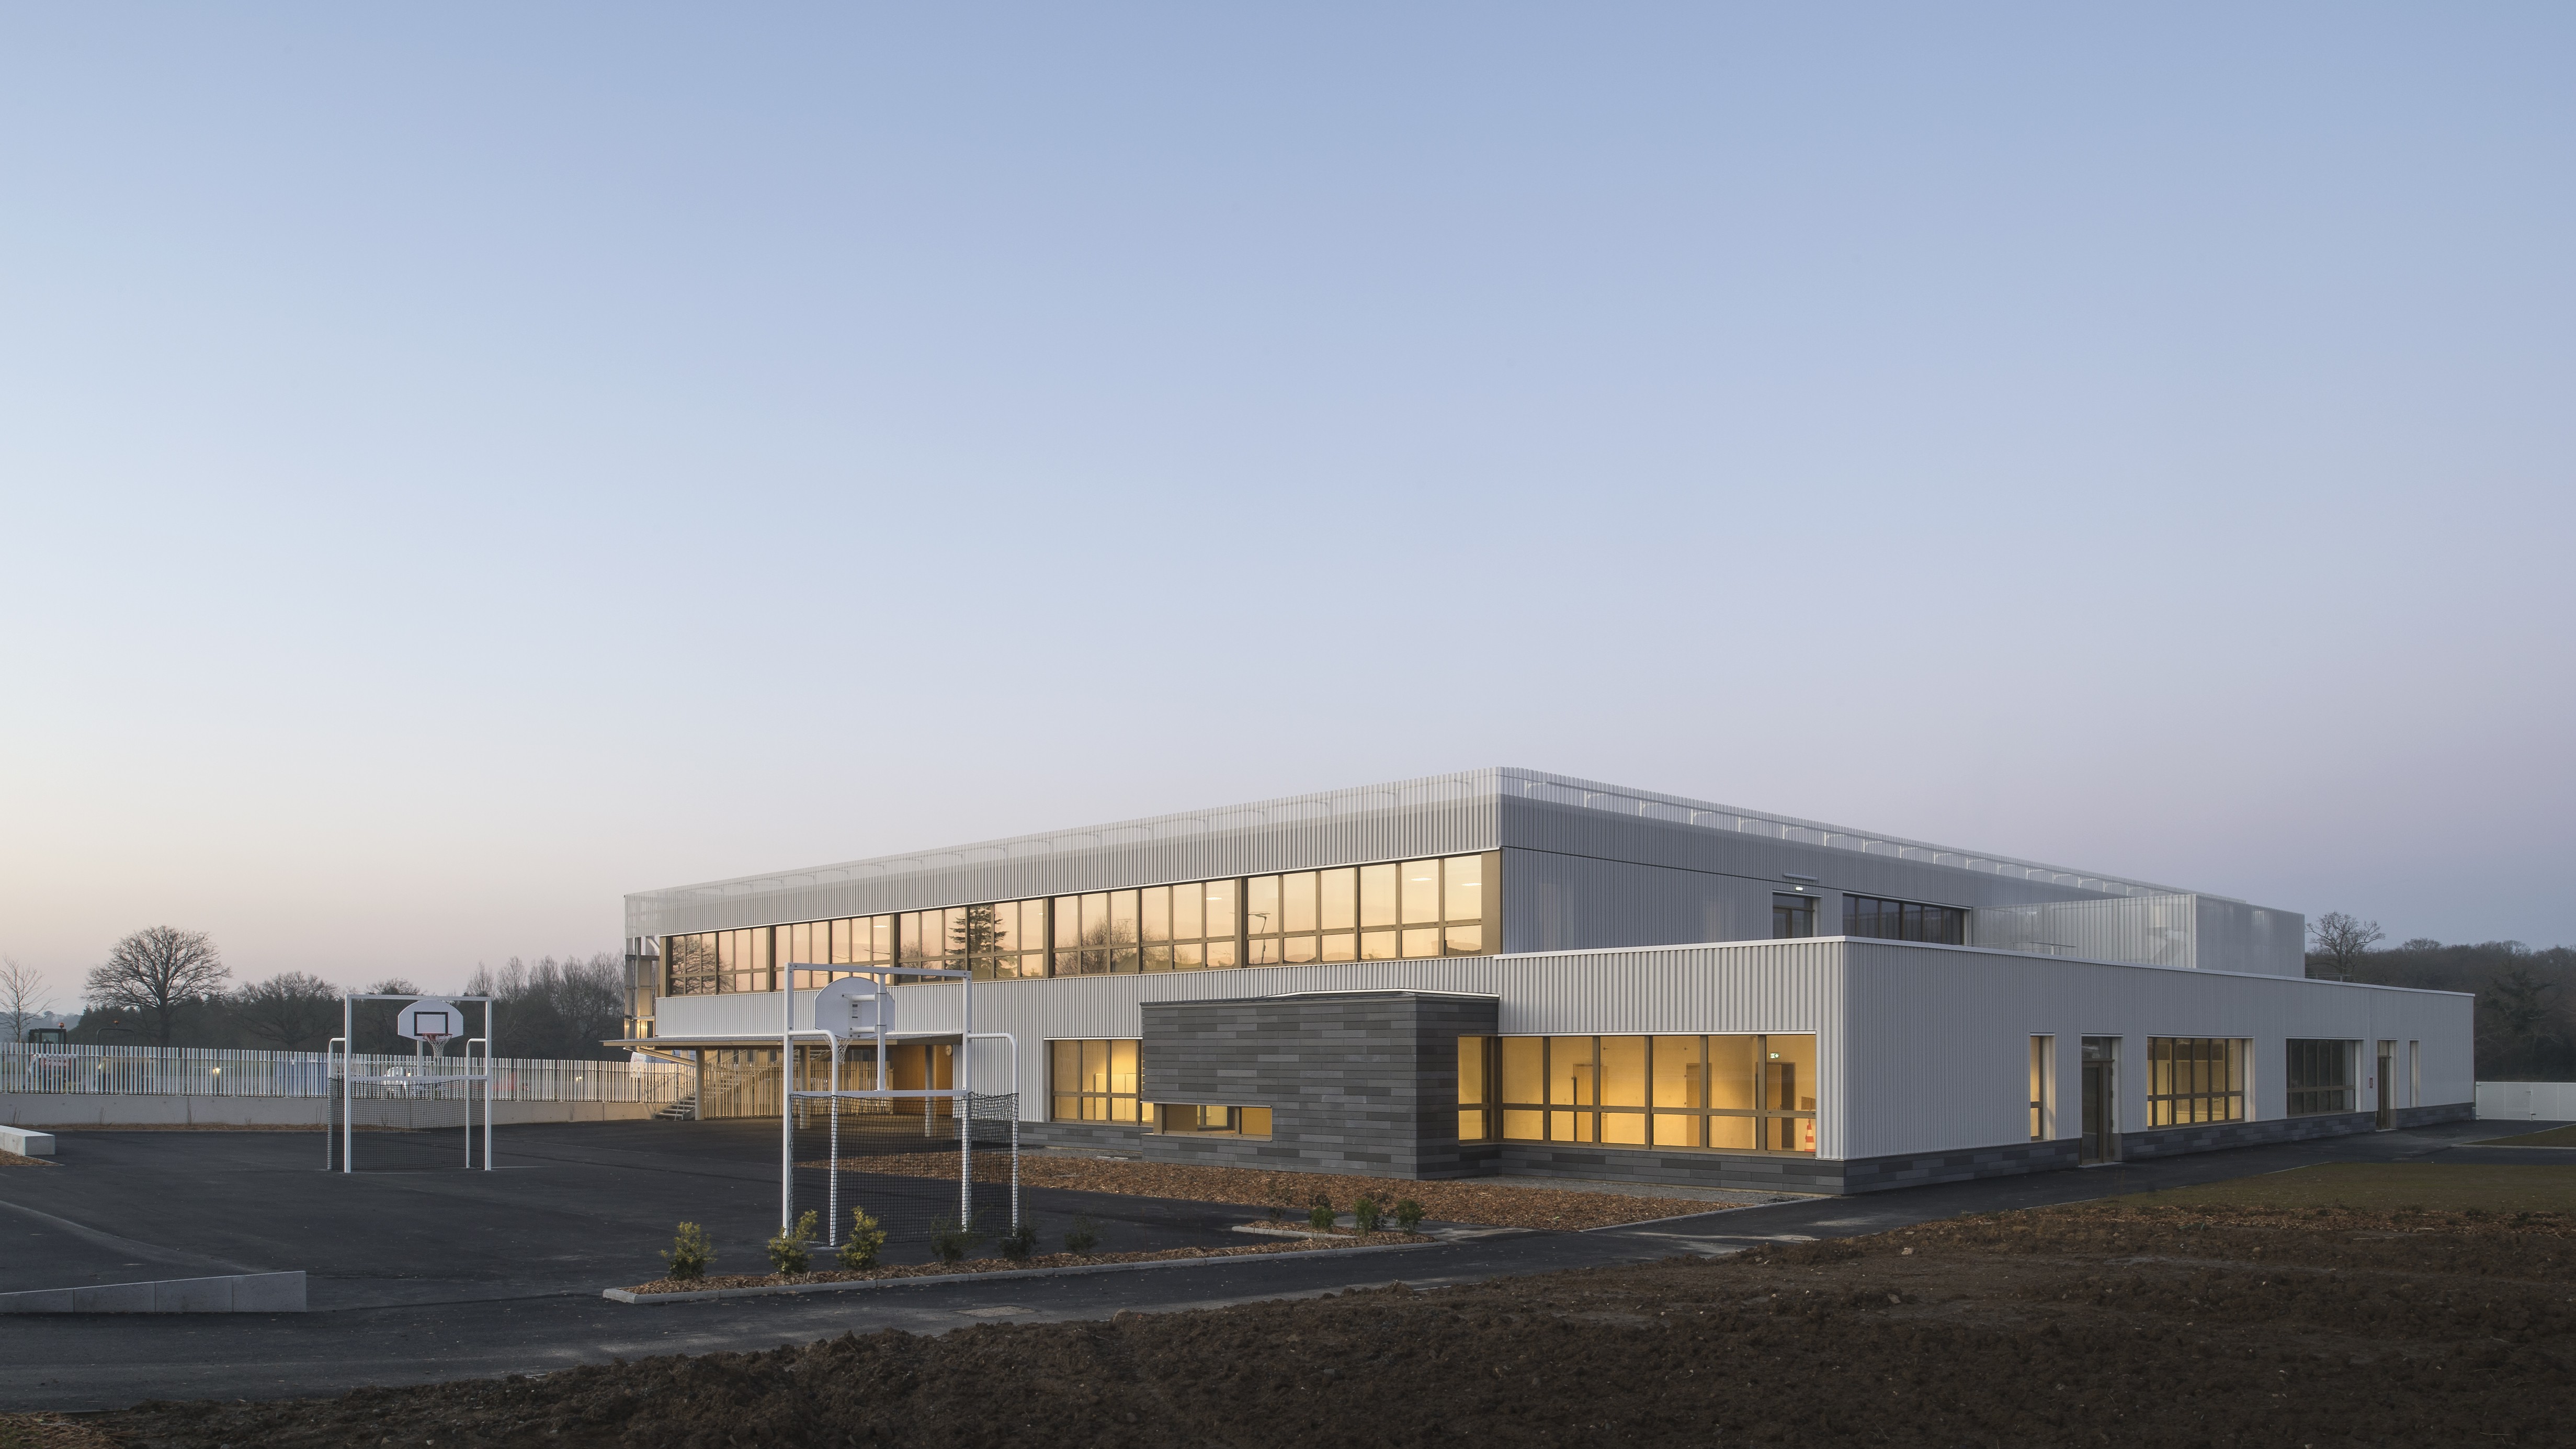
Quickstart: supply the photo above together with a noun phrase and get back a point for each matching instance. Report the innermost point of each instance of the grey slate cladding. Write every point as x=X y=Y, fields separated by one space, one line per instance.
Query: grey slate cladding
x=2210 y=1136
x=1364 y=1082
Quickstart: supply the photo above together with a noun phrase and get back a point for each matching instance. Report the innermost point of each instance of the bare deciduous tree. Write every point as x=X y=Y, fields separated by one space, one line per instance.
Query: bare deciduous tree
x=296 y=1011
x=2343 y=941
x=556 y=1008
x=22 y=995
x=156 y=969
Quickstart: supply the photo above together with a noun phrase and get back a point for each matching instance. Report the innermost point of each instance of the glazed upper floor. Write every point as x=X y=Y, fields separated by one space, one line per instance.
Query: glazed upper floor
x=1581 y=865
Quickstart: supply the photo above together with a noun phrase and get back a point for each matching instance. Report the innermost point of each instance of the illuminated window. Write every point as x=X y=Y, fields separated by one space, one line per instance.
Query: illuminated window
x=1713 y=1093
x=1395 y=910
x=1203 y=1121
x=2193 y=1079
x=1092 y=1081
x=1404 y=910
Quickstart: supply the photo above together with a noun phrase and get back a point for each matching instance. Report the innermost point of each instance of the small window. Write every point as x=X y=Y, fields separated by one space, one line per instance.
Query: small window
x=2043 y=1088
x=1792 y=917
x=1204 y=1121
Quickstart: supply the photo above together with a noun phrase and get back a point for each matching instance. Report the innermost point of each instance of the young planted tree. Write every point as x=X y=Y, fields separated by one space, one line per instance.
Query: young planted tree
x=22 y=996
x=155 y=971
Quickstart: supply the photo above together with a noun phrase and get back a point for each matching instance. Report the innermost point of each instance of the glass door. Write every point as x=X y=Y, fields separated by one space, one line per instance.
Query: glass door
x=2387 y=1085
x=2101 y=1114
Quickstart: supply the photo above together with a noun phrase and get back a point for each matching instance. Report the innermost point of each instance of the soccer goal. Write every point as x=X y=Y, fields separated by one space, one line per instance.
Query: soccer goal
x=914 y=1154
x=417 y=1111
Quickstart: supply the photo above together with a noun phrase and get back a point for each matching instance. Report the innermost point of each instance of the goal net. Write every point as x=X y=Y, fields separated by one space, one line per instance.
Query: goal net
x=898 y=1159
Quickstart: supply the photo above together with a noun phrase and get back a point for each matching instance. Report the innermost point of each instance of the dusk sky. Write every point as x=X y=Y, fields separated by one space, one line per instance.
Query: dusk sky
x=461 y=464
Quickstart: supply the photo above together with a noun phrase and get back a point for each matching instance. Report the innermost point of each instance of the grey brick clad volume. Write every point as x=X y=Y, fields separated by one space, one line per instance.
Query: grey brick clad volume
x=1358 y=1082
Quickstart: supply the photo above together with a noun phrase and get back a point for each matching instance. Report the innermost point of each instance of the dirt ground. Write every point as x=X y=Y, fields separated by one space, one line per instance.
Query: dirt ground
x=2119 y=1324
x=1462 y=1201
x=13 y=1159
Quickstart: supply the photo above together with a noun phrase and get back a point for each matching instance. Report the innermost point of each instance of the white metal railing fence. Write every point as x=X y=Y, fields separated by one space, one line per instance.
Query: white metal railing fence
x=214 y=1072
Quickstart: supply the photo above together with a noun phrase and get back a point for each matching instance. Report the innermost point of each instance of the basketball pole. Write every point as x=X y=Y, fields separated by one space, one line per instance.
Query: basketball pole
x=348 y=1069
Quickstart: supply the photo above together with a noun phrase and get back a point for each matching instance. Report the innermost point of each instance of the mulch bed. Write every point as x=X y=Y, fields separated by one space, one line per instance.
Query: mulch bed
x=13 y=1159
x=1467 y=1201
x=997 y=1265
x=2095 y=1326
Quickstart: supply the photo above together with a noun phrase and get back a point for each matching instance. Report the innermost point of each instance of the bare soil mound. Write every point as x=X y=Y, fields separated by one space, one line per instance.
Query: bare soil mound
x=2103 y=1324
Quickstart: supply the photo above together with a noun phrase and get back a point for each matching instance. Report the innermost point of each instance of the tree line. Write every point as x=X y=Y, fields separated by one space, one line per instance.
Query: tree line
x=166 y=987
x=2526 y=1020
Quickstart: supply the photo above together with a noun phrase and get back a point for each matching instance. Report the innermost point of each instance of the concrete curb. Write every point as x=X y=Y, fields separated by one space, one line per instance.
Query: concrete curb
x=26 y=1141
x=233 y=1293
x=620 y=1295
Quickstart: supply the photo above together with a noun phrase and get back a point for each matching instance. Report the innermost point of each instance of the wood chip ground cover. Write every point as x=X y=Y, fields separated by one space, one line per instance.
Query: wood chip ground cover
x=12 y=1159
x=2118 y=1325
x=1003 y=1265
x=1449 y=1202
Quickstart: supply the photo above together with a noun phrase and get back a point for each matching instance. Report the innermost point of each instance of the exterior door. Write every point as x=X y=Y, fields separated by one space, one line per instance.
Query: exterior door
x=2387 y=1075
x=2100 y=1111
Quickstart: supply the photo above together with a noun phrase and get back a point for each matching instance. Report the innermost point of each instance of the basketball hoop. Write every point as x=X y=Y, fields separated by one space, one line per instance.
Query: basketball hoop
x=429 y=1021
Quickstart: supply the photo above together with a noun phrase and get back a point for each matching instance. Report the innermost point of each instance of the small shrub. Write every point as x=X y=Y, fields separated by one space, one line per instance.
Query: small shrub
x=1019 y=1242
x=951 y=1240
x=787 y=1254
x=1365 y=1214
x=866 y=1240
x=1277 y=1215
x=1408 y=1215
x=1082 y=1237
x=690 y=1254
x=1320 y=1216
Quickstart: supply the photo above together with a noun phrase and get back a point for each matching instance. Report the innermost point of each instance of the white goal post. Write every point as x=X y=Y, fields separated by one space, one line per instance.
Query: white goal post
x=432 y=1021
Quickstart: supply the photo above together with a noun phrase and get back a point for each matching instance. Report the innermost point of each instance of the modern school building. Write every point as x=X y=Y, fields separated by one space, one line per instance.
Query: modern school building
x=1505 y=970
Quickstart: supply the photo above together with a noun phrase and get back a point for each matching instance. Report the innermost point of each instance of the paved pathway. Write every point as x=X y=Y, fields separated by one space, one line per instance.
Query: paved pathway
x=529 y=1302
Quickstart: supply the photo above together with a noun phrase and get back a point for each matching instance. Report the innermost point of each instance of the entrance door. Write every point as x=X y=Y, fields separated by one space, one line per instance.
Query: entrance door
x=2101 y=1118
x=2387 y=1085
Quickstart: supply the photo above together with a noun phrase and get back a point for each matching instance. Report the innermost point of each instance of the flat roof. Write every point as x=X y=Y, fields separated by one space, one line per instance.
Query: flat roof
x=1434 y=815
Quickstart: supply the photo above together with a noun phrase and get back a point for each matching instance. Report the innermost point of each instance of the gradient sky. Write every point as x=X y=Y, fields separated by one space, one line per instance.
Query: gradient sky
x=460 y=464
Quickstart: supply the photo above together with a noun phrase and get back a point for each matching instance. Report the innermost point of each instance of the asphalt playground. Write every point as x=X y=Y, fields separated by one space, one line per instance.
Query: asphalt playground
x=420 y=1271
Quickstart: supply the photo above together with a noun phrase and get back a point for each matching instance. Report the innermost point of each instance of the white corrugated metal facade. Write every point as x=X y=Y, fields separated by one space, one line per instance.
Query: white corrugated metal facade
x=1626 y=912
x=1919 y=1048
x=1585 y=864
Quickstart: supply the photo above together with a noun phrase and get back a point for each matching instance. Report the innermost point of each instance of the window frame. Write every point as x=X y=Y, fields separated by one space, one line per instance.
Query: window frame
x=1581 y=1119
x=2300 y=1056
x=2213 y=1089
x=1082 y=1096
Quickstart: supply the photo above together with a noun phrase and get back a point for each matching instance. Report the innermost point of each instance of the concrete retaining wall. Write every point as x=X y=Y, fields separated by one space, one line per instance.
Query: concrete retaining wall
x=76 y=1109
x=2528 y=1101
